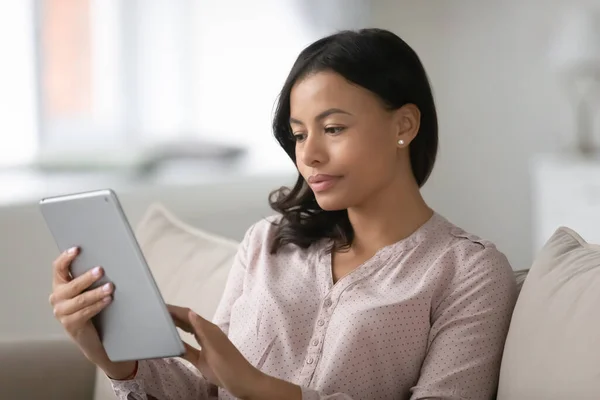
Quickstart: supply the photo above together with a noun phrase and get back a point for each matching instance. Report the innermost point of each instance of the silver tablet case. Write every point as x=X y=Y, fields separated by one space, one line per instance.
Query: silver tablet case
x=137 y=324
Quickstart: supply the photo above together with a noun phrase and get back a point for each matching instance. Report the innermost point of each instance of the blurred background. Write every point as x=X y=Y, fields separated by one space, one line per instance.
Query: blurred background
x=171 y=100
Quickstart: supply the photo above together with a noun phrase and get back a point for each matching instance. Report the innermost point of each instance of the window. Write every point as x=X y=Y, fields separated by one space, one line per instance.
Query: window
x=113 y=76
x=101 y=80
x=18 y=109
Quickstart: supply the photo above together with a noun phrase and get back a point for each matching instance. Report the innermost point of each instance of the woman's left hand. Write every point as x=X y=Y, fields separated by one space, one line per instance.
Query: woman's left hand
x=219 y=360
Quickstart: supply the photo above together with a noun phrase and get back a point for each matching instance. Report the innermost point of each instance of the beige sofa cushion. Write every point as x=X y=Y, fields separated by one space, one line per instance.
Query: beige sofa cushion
x=552 y=347
x=190 y=267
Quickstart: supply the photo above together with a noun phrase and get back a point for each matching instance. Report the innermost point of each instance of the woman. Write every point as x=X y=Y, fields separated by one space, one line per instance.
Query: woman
x=358 y=290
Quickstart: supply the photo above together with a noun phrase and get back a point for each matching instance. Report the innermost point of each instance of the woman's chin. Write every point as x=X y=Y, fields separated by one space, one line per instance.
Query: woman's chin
x=331 y=203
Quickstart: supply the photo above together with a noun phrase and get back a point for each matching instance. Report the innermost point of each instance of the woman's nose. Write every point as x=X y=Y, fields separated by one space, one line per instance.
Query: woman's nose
x=314 y=151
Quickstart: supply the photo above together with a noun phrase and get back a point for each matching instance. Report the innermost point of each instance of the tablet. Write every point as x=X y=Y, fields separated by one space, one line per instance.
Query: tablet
x=136 y=325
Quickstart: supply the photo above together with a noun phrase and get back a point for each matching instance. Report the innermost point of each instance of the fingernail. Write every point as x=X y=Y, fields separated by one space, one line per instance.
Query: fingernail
x=107 y=299
x=96 y=272
x=72 y=250
x=106 y=287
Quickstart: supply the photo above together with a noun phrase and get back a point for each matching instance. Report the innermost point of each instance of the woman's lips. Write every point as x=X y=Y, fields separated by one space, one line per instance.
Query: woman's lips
x=322 y=182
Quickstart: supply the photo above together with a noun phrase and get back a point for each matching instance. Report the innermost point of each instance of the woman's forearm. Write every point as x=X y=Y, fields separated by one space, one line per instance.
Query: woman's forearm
x=270 y=388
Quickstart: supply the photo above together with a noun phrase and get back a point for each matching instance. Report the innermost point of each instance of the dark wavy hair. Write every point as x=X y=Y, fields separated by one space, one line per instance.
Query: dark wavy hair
x=382 y=63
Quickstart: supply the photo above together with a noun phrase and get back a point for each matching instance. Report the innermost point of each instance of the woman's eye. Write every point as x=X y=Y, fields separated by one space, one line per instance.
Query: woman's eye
x=334 y=129
x=299 y=137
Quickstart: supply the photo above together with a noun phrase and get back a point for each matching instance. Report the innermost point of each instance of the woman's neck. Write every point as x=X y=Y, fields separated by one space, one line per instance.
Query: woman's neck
x=389 y=216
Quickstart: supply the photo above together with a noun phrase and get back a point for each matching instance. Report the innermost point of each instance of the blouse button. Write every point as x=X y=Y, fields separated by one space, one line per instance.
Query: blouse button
x=328 y=303
x=321 y=322
x=315 y=342
x=310 y=360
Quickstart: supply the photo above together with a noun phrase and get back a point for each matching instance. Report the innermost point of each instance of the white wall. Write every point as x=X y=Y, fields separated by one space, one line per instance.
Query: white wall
x=498 y=101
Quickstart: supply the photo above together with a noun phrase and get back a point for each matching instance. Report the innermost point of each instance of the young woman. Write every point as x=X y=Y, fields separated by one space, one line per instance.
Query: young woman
x=357 y=290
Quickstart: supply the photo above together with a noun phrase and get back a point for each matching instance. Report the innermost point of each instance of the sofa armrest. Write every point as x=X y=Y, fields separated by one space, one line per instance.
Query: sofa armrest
x=48 y=368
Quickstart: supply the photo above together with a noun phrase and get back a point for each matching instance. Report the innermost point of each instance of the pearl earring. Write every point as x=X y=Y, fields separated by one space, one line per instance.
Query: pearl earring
x=401 y=142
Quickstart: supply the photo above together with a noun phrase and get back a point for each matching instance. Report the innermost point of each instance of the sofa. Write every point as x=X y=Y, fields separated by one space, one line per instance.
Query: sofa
x=550 y=354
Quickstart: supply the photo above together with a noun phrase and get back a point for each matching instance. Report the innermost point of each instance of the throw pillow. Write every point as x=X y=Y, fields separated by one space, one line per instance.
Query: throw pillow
x=551 y=348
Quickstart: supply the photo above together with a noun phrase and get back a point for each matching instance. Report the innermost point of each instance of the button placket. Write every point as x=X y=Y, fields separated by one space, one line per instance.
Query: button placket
x=319 y=333
x=314 y=350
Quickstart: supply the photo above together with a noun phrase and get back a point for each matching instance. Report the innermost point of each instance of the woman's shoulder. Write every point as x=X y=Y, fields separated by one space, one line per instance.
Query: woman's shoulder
x=472 y=253
x=472 y=266
x=263 y=229
x=260 y=235
x=258 y=244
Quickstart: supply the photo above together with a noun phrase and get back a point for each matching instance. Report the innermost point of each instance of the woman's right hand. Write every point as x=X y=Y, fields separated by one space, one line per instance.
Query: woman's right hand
x=74 y=307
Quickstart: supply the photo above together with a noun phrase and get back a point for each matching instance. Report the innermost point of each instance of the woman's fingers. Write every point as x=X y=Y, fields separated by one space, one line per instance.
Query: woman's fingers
x=73 y=305
x=190 y=322
x=198 y=324
x=61 y=266
x=75 y=287
x=74 y=322
x=192 y=354
x=197 y=358
x=180 y=317
x=204 y=329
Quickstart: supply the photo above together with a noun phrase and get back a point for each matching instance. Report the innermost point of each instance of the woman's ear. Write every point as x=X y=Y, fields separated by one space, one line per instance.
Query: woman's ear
x=407 y=120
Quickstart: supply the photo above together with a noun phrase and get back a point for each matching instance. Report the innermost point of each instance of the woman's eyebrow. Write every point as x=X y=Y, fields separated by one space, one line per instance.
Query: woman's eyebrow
x=322 y=115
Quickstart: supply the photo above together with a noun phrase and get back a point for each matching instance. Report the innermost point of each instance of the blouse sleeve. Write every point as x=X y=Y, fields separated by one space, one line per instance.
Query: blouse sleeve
x=235 y=284
x=469 y=327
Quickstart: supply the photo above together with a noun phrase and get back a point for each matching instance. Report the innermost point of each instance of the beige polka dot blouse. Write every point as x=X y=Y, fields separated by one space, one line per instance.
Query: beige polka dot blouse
x=425 y=318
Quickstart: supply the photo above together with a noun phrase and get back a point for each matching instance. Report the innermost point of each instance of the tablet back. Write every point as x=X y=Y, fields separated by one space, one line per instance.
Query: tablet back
x=137 y=324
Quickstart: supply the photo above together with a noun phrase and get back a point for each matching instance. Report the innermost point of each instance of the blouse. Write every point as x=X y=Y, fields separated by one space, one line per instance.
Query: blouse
x=424 y=318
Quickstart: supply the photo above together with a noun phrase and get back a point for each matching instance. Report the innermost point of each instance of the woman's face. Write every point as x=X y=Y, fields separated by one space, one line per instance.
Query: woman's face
x=346 y=140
